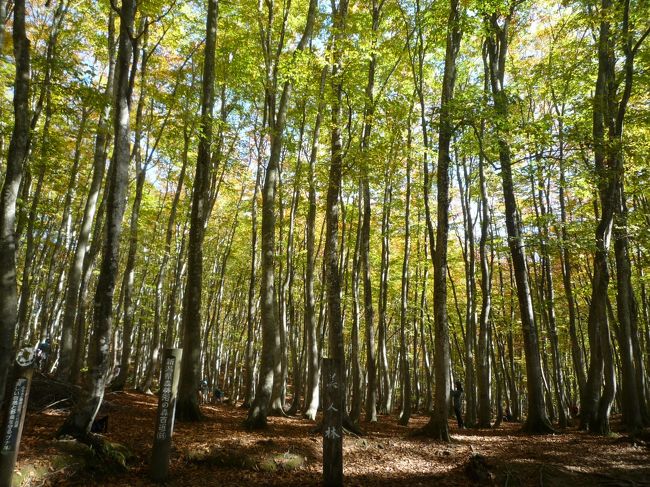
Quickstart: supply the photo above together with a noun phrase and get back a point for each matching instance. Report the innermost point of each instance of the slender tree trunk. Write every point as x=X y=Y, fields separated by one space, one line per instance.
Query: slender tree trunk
x=30 y=249
x=469 y=258
x=386 y=388
x=600 y=352
x=62 y=235
x=252 y=304
x=497 y=42
x=368 y=113
x=68 y=326
x=355 y=407
x=541 y=204
x=79 y=422
x=169 y=234
x=44 y=99
x=633 y=403
x=576 y=351
x=483 y=363
x=437 y=425
x=18 y=148
x=313 y=360
x=187 y=407
x=129 y=271
x=336 y=344
x=270 y=367
x=288 y=283
x=80 y=348
x=405 y=414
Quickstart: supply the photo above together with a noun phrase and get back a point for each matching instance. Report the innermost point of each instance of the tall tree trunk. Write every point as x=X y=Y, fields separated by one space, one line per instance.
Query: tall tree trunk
x=368 y=113
x=288 y=283
x=129 y=271
x=437 y=425
x=484 y=347
x=541 y=204
x=355 y=406
x=576 y=351
x=593 y=404
x=187 y=408
x=497 y=44
x=63 y=234
x=72 y=294
x=80 y=348
x=169 y=234
x=18 y=148
x=635 y=412
x=405 y=414
x=469 y=257
x=313 y=360
x=44 y=99
x=634 y=405
x=386 y=388
x=30 y=247
x=80 y=420
x=252 y=304
x=336 y=344
x=270 y=367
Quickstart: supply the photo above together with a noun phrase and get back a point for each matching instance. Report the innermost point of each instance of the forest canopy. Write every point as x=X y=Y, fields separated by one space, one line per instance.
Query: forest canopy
x=428 y=192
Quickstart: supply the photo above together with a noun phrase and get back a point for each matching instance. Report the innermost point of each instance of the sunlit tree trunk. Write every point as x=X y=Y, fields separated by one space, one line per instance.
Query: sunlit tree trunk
x=31 y=267
x=270 y=367
x=405 y=375
x=18 y=148
x=129 y=271
x=336 y=344
x=497 y=45
x=75 y=272
x=187 y=408
x=484 y=345
x=437 y=425
x=386 y=386
x=355 y=406
x=80 y=420
x=369 y=314
x=249 y=379
x=313 y=358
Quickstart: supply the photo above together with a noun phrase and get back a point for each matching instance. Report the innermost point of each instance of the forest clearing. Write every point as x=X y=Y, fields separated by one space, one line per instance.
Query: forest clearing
x=348 y=242
x=385 y=455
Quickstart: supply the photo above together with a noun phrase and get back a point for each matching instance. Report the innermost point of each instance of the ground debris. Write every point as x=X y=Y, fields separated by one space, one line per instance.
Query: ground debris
x=219 y=451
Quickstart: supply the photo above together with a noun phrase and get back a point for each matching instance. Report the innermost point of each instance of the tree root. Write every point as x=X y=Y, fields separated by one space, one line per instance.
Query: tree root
x=114 y=456
x=188 y=411
x=538 y=427
x=435 y=429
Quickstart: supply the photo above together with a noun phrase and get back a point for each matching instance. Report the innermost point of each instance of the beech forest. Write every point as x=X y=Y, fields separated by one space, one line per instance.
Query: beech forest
x=324 y=242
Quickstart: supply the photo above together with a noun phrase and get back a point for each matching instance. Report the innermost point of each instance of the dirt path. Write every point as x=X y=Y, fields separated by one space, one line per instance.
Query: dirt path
x=220 y=452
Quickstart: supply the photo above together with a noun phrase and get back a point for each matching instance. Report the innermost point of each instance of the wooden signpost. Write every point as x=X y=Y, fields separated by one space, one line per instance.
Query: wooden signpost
x=162 y=441
x=332 y=424
x=14 y=418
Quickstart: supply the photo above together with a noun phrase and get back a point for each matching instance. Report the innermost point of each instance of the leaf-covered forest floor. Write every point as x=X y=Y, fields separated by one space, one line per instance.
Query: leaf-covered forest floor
x=219 y=451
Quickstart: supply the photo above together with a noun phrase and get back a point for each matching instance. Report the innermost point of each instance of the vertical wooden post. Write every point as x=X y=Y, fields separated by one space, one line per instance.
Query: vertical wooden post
x=332 y=424
x=162 y=441
x=14 y=418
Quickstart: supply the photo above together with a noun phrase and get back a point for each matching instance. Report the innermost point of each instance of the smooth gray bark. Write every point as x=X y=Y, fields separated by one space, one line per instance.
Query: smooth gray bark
x=188 y=405
x=18 y=148
x=437 y=426
x=80 y=420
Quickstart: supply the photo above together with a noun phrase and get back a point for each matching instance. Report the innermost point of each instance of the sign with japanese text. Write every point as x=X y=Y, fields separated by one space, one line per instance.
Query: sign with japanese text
x=162 y=441
x=332 y=424
x=14 y=419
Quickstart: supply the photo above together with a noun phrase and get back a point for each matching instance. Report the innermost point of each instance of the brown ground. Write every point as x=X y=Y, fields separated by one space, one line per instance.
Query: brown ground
x=386 y=455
